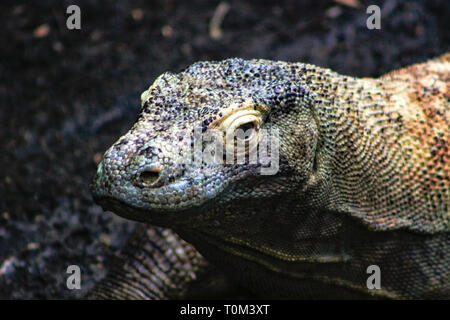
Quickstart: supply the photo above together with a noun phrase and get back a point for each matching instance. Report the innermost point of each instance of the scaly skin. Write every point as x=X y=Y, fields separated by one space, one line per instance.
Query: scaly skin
x=363 y=179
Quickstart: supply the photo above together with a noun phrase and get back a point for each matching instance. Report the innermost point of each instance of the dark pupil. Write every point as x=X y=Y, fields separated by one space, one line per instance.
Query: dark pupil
x=248 y=129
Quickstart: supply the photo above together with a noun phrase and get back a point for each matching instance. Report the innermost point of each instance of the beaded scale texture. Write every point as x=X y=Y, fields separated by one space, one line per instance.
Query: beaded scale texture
x=363 y=179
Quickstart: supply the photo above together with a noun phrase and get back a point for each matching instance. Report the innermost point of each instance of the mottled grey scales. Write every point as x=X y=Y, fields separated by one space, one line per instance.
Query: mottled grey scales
x=363 y=180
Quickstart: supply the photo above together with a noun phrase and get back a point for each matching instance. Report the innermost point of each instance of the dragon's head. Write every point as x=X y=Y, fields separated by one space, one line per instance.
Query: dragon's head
x=216 y=135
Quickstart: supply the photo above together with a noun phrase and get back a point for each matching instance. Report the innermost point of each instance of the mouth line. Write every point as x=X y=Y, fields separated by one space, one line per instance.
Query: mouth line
x=166 y=218
x=123 y=209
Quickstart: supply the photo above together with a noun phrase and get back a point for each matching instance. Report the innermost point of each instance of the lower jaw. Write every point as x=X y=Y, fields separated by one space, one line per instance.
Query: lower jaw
x=161 y=219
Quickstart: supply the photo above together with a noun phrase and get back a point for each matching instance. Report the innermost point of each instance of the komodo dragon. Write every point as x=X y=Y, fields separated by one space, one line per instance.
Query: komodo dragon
x=362 y=179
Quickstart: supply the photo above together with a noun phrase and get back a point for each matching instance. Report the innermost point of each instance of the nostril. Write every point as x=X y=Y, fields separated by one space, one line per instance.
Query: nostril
x=149 y=178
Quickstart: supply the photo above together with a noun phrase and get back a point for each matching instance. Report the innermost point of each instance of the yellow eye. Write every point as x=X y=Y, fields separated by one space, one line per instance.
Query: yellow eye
x=241 y=123
x=246 y=131
x=241 y=126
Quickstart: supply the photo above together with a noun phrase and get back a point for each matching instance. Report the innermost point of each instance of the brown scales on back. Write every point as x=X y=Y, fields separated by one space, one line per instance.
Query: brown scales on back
x=424 y=104
x=363 y=180
x=406 y=116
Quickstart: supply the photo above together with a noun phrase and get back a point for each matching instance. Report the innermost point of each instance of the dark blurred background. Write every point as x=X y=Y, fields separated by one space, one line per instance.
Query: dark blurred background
x=67 y=95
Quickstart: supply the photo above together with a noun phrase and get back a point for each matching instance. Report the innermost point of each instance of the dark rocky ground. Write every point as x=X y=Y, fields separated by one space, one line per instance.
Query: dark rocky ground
x=66 y=96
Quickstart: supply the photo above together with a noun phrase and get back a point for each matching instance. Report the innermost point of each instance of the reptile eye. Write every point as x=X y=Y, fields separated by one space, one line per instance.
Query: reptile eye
x=241 y=128
x=248 y=130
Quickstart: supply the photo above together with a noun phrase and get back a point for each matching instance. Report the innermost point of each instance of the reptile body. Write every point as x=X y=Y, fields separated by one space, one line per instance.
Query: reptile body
x=362 y=178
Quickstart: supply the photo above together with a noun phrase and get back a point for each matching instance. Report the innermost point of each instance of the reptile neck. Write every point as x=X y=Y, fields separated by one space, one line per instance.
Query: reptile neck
x=373 y=161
